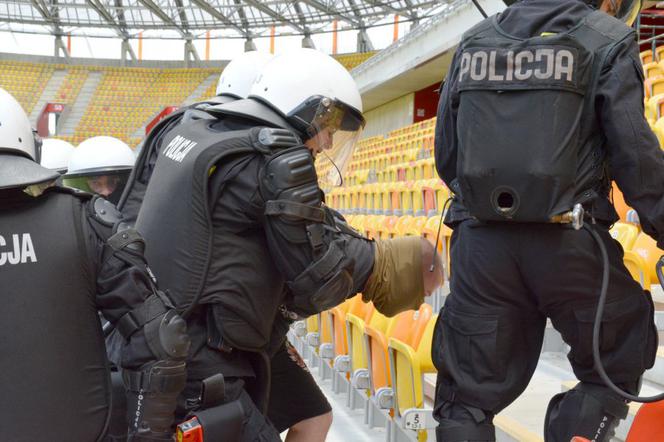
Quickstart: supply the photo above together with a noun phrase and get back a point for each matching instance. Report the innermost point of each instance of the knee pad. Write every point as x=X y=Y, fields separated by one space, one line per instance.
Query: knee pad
x=588 y=410
x=462 y=423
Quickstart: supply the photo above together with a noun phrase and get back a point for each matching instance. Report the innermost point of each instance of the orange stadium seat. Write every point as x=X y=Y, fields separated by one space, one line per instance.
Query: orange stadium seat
x=646 y=57
x=648 y=424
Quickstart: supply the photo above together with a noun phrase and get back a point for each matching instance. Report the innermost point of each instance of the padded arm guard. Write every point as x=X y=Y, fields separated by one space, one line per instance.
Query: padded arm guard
x=152 y=391
x=309 y=247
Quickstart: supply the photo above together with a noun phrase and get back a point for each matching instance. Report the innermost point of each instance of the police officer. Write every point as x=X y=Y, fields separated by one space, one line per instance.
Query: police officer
x=60 y=262
x=306 y=415
x=100 y=165
x=234 y=215
x=542 y=108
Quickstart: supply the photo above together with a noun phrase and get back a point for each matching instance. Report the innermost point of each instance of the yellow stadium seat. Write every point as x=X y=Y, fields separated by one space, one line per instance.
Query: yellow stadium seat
x=646 y=247
x=407 y=327
x=658 y=53
x=652 y=70
x=408 y=365
x=653 y=86
x=654 y=107
x=358 y=223
x=658 y=129
x=625 y=234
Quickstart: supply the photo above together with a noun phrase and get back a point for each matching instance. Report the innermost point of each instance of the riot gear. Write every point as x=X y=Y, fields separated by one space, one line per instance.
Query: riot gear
x=237 y=77
x=513 y=275
x=624 y=10
x=319 y=98
x=248 y=244
x=100 y=165
x=55 y=154
x=19 y=148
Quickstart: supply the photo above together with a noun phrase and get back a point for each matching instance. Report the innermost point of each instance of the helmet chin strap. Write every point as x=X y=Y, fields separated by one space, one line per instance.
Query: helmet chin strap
x=341 y=178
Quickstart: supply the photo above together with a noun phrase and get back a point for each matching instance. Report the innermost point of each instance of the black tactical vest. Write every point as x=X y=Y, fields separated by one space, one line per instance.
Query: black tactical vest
x=526 y=118
x=53 y=370
x=175 y=215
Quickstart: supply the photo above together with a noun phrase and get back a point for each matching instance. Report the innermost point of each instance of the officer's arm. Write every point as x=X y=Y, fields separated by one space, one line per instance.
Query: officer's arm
x=446 y=142
x=156 y=341
x=323 y=260
x=635 y=158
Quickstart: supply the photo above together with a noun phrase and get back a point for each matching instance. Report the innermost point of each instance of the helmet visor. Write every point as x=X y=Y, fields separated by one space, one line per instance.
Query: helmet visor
x=108 y=185
x=332 y=135
x=624 y=10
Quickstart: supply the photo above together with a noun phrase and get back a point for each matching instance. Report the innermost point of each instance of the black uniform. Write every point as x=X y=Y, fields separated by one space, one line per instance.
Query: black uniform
x=509 y=277
x=57 y=271
x=246 y=244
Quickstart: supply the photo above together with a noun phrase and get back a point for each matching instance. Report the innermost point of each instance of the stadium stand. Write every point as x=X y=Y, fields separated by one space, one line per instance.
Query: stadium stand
x=25 y=81
x=391 y=188
x=125 y=99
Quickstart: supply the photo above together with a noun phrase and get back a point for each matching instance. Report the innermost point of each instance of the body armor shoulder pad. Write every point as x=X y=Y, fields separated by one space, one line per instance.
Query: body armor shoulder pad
x=608 y=26
x=105 y=212
x=485 y=24
x=269 y=139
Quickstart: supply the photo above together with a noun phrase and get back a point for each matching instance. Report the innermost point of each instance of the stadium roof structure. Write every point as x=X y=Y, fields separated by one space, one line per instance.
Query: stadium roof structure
x=190 y=19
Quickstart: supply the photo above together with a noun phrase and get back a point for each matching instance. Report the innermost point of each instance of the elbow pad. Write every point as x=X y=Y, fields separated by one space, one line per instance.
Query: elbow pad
x=325 y=283
x=152 y=392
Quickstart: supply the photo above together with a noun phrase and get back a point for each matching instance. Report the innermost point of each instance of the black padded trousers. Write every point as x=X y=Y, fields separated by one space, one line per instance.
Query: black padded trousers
x=506 y=280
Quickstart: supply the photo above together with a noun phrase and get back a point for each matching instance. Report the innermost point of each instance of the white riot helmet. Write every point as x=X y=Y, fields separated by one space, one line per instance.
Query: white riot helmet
x=19 y=147
x=100 y=165
x=319 y=98
x=55 y=154
x=237 y=77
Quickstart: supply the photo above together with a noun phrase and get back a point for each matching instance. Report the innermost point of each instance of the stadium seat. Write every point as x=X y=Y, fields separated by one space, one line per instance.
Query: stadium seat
x=408 y=365
x=646 y=57
x=648 y=424
x=646 y=247
x=653 y=86
x=654 y=108
x=407 y=327
x=619 y=201
x=652 y=70
x=625 y=234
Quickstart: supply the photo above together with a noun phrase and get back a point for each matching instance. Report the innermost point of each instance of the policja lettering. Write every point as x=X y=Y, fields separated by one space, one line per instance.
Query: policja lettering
x=495 y=65
x=23 y=250
x=178 y=148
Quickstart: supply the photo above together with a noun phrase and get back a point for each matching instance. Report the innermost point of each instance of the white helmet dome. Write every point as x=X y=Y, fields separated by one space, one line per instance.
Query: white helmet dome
x=97 y=155
x=55 y=154
x=290 y=79
x=238 y=76
x=15 y=129
x=19 y=149
x=319 y=98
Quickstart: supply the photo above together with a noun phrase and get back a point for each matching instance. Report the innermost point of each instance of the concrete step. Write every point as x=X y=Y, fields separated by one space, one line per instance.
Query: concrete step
x=80 y=105
x=198 y=92
x=48 y=94
x=525 y=416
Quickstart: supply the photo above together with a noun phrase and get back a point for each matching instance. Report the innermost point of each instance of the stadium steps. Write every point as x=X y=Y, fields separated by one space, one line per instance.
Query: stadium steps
x=81 y=104
x=48 y=94
x=523 y=420
x=140 y=132
x=197 y=95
